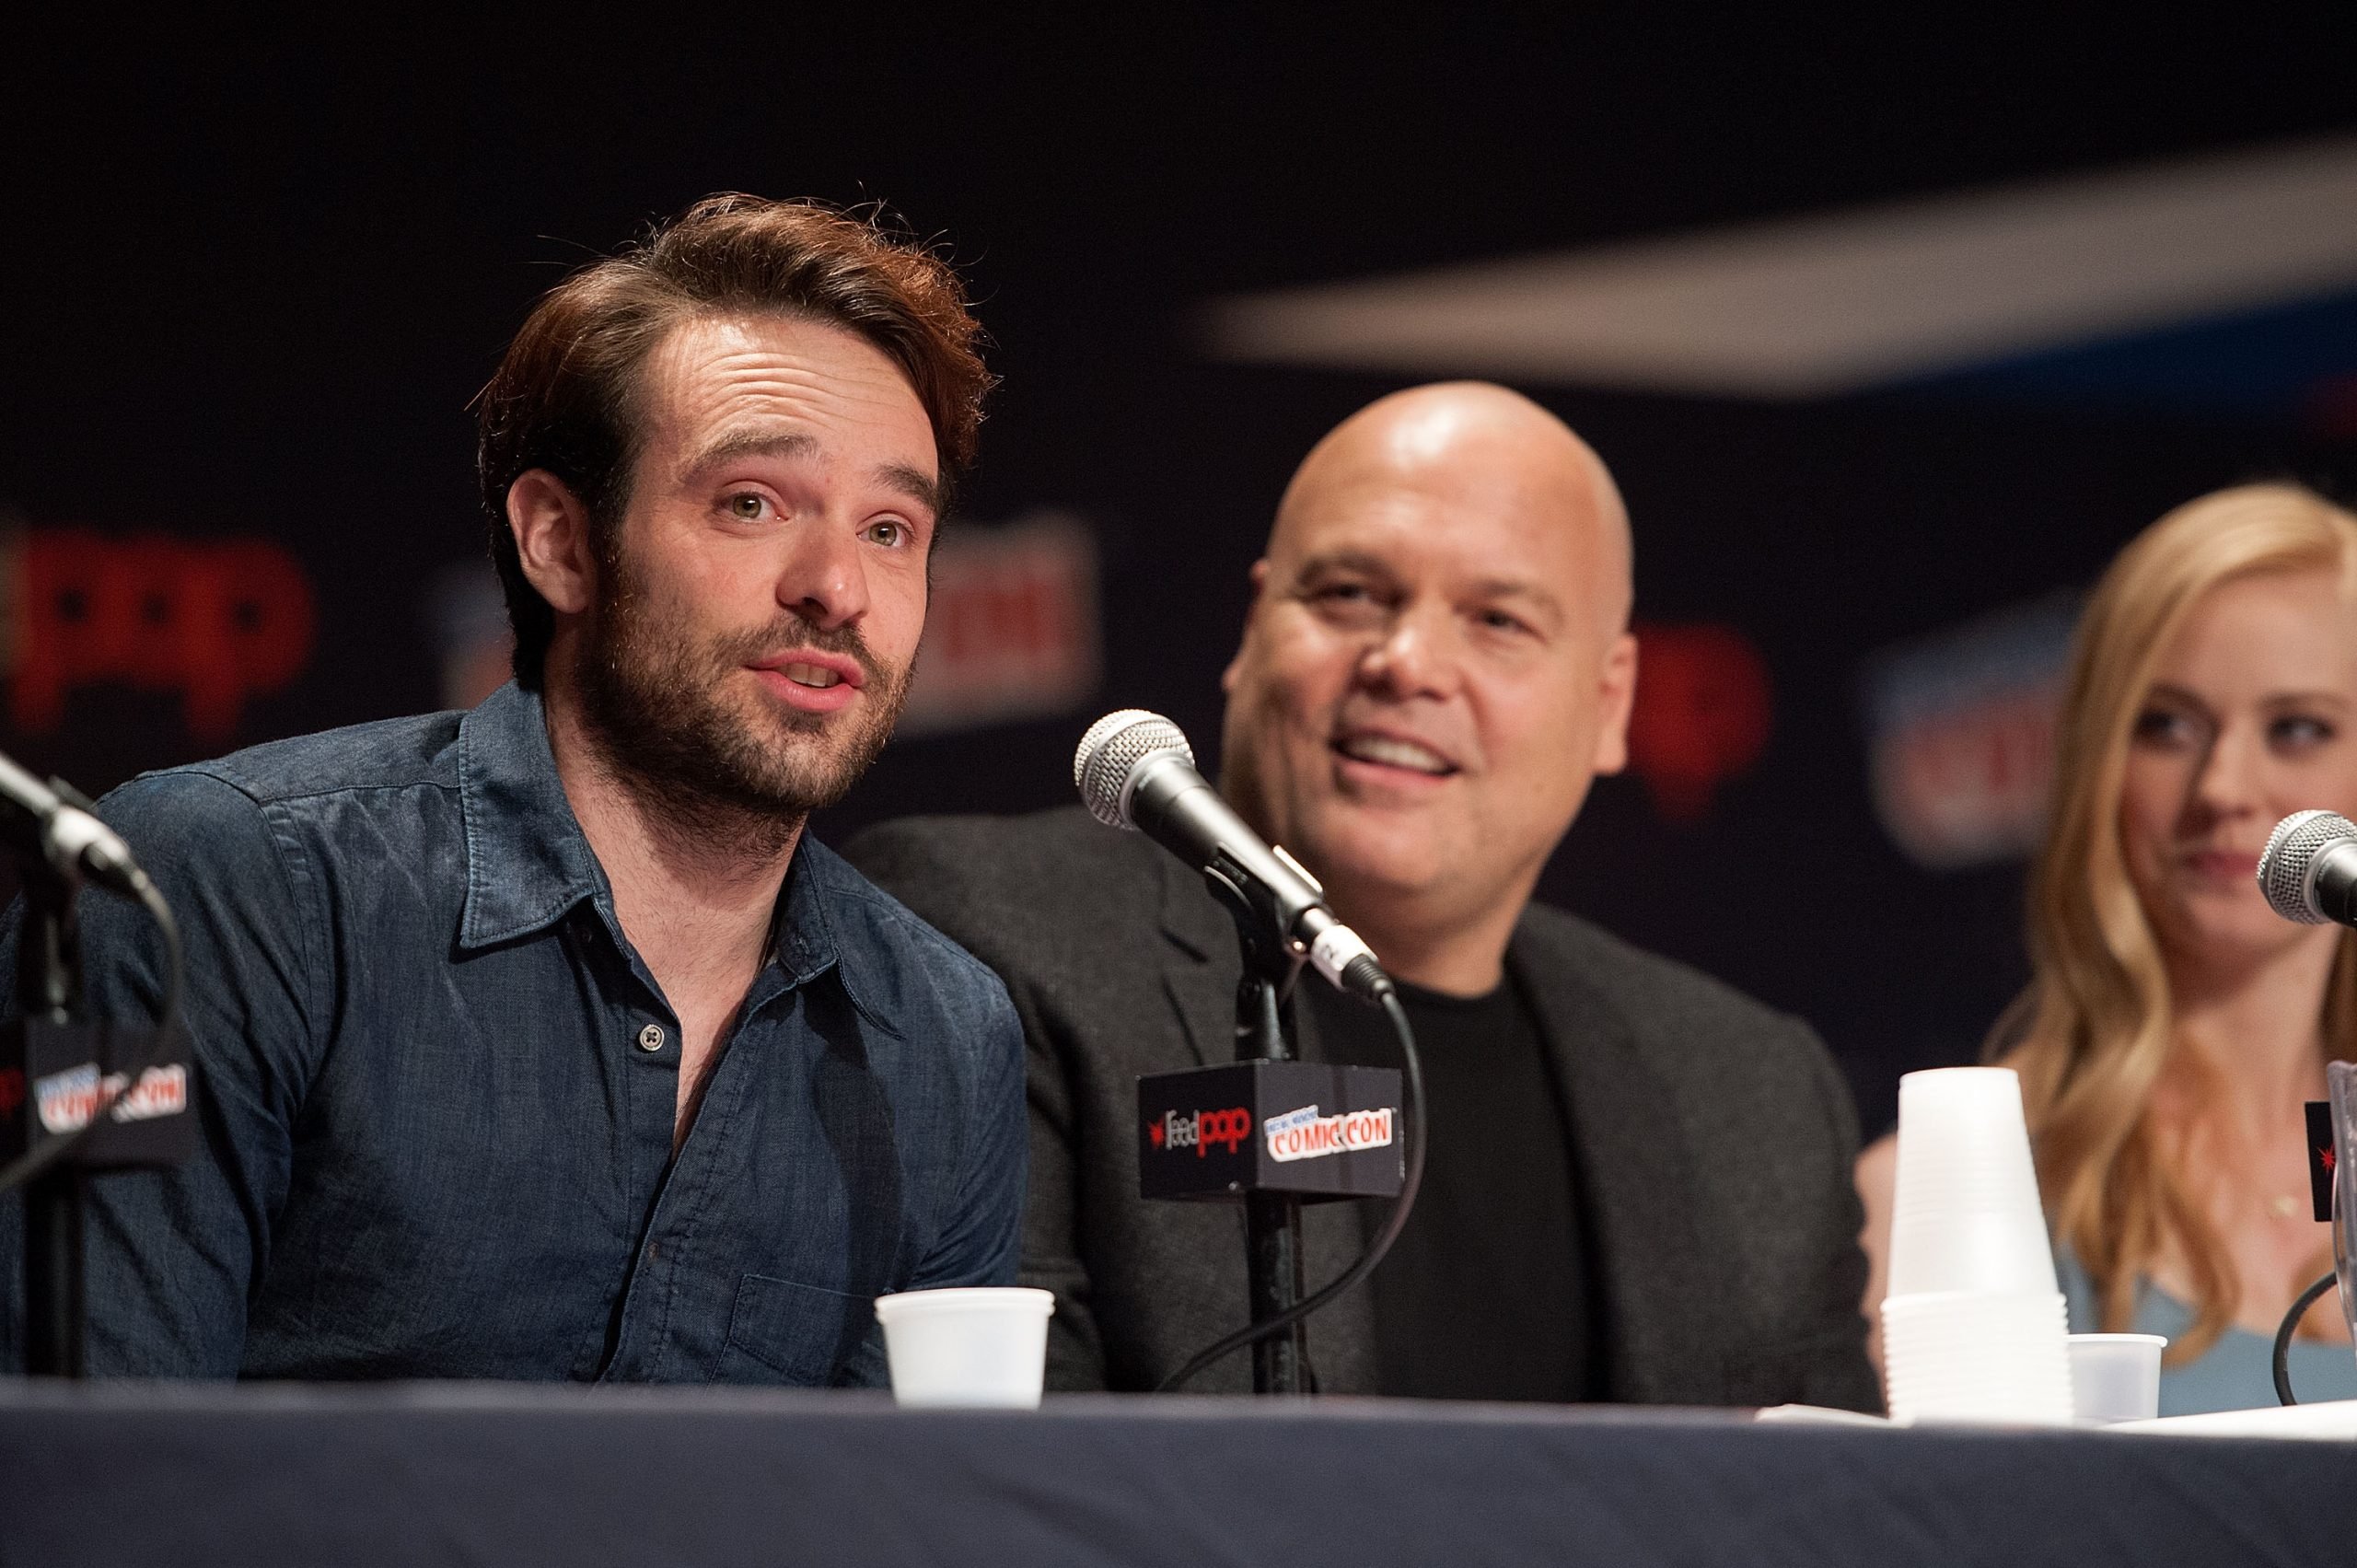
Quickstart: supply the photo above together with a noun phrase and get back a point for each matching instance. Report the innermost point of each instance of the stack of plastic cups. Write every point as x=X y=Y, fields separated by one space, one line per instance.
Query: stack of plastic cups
x=1974 y=1329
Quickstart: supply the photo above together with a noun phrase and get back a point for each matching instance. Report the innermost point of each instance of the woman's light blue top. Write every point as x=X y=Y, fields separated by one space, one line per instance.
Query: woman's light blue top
x=2237 y=1372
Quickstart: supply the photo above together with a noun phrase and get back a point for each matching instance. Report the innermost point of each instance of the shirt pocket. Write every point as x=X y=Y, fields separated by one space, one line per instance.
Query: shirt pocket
x=781 y=1331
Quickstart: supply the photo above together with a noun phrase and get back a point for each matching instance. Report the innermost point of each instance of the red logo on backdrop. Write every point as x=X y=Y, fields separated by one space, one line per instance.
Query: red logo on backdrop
x=219 y=623
x=1972 y=785
x=1011 y=628
x=1199 y=1130
x=1702 y=715
x=11 y=1089
x=1961 y=734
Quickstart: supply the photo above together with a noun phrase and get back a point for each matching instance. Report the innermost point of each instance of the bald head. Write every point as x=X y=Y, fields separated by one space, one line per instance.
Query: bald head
x=1436 y=666
x=1480 y=447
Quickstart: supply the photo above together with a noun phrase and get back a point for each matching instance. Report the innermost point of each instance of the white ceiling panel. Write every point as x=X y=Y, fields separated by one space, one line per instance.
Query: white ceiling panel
x=1848 y=301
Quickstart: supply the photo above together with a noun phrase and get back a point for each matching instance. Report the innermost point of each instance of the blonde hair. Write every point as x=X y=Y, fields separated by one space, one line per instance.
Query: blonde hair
x=2093 y=1030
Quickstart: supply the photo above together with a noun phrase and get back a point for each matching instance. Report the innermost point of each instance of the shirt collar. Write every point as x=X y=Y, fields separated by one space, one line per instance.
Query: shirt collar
x=528 y=862
x=803 y=937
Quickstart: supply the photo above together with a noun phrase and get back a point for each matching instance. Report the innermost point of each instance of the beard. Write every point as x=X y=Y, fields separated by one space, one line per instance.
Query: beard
x=711 y=764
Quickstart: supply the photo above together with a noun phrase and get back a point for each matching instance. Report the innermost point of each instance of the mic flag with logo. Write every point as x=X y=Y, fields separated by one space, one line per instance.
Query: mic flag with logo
x=1304 y=1128
x=54 y=1077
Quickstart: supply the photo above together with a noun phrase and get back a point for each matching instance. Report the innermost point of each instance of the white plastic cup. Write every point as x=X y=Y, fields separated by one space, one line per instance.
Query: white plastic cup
x=1964 y=1215
x=2116 y=1377
x=1974 y=1329
x=1977 y=1356
x=975 y=1347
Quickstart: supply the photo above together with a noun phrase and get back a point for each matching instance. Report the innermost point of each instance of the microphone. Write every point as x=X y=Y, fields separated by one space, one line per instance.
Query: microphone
x=2309 y=869
x=1135 y=771
x=70 y=841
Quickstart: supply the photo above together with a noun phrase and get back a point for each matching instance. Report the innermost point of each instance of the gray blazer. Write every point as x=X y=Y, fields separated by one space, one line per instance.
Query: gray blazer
x=1712 y=1137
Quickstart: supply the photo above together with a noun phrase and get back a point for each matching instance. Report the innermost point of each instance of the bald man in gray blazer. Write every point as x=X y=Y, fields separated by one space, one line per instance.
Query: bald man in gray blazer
x=1638 y=1185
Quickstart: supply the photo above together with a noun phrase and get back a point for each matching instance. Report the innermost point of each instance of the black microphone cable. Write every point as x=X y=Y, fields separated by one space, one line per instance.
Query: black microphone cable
x=1376 y=1248
x=167 y=1018
x=2289 y=1326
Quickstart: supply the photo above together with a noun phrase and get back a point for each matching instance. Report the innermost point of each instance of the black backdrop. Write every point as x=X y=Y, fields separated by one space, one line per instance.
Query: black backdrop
x=252 y=280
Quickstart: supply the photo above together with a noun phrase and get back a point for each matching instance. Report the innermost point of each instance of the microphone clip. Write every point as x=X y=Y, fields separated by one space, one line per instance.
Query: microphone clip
x=1260 y=926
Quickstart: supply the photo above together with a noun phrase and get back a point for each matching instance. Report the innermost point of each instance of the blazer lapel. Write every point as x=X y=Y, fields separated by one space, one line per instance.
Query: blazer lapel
x=1654 y=1282
x=1198 y=966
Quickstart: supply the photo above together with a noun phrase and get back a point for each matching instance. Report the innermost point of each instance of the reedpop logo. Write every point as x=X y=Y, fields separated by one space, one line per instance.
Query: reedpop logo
x=218 y=622
x=1199 y=1129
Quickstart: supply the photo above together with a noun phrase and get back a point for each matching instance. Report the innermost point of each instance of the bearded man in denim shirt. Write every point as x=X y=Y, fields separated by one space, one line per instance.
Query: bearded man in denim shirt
x=540 y=1041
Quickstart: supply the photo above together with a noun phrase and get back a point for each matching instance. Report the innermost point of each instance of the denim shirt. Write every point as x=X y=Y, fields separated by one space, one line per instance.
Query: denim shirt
x=438 y=1089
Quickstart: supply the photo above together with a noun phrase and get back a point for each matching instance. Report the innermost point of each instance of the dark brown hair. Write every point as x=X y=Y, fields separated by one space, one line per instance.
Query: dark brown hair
x=565 y=396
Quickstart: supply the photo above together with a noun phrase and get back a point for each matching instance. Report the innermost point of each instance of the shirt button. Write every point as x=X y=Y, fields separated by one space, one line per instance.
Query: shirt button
x=651 y=1038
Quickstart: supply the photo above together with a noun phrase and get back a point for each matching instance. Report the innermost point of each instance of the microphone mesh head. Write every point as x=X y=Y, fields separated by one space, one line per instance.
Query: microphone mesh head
x=1110 y=752
x=2290 y=849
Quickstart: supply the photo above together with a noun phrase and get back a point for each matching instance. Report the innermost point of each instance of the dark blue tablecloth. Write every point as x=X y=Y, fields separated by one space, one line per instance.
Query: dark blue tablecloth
x=474 y=1474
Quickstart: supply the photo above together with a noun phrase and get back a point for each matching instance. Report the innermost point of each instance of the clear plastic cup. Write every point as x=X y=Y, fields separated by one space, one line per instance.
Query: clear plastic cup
x=1965 y=1215
x=2115 y=1377
x=2340 y=1079
x=979 y=1347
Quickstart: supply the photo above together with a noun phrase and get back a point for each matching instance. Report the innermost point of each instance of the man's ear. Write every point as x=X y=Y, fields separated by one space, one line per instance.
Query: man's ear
x=551 y=530
x=1617 y=691
x=1260 y=584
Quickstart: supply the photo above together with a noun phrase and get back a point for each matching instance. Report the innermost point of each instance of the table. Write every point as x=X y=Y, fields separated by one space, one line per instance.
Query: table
x=134 y=1474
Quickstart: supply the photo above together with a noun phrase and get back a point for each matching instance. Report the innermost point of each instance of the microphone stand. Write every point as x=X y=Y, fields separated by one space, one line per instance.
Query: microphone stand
x=1219 y=1118
x=118 y=1099
x=49 y=992
x=1272 y=1220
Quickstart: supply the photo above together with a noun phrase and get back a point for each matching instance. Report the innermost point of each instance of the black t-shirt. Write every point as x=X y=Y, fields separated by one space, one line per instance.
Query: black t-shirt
x=1485 y=1294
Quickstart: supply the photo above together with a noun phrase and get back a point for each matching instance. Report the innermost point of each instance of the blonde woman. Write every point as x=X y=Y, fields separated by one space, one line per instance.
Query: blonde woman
x=2173 y=1024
